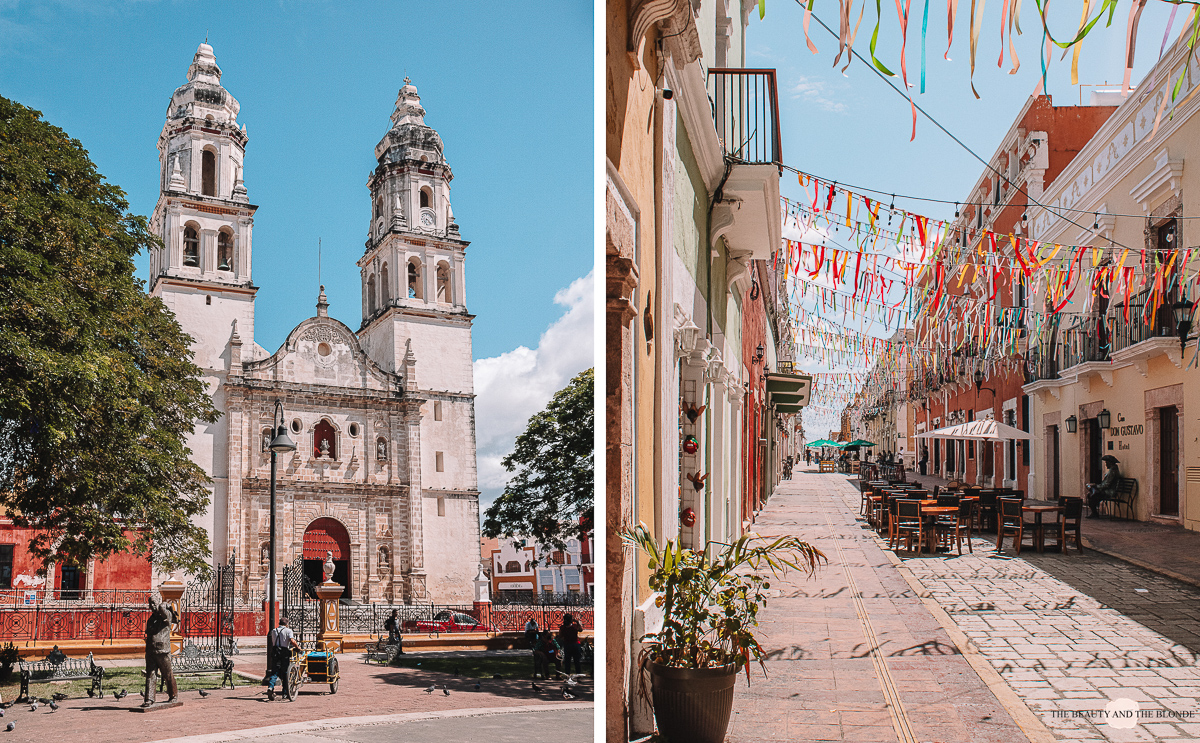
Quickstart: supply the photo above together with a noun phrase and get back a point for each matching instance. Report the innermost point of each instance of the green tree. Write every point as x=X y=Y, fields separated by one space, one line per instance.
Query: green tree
x=552 y=496
x=97 y=386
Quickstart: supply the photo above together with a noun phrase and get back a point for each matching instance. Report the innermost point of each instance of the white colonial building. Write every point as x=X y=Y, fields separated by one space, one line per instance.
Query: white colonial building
x=384 y=418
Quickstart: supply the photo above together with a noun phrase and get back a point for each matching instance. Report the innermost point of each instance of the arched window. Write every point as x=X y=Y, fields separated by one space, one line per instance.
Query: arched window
x=224 y=251
x=378 y=207
x=208 y=173
x=371 y=294
x=426 y=197
x=443 y=282
x=384 y=291
x=414 y=279
x=512 y=566
x=191 y=246
x=324 y=441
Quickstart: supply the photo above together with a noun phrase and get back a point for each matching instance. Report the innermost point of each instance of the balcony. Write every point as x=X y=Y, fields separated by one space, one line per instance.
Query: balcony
x=746 y=211
x=746 y=112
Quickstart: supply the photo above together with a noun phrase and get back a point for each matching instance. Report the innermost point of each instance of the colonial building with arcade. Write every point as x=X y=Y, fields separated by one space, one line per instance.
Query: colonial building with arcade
x=384 y=475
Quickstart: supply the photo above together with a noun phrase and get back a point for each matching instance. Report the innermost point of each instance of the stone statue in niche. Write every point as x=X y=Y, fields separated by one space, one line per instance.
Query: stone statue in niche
x=264 y=558
x=266 y=441
x=381 y=450
x=324 y=449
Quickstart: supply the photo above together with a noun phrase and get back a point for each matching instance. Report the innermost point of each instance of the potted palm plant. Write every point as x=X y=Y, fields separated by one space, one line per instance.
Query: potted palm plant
x=710 y=601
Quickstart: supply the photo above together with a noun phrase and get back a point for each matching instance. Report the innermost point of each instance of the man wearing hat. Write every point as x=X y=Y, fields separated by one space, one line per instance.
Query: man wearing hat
x=1107 y=489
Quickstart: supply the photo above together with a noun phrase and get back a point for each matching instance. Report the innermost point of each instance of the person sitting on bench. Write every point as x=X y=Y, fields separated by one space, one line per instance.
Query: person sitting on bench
x=1106 y=489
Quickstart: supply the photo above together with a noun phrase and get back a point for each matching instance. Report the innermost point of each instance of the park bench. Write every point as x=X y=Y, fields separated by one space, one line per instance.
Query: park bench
x=1124 y=498
x=382 y=652
x=196 y=660
x=58 y=667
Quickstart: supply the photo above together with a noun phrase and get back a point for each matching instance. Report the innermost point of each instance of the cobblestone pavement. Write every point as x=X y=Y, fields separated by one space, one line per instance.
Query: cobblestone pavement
x=854 y=653
x=1073 y=634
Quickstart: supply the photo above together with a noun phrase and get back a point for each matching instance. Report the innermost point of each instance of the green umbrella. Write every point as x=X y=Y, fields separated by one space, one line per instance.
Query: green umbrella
x=860 y=442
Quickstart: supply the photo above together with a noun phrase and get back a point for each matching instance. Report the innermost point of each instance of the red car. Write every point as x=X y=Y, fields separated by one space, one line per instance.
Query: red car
x=448 y=621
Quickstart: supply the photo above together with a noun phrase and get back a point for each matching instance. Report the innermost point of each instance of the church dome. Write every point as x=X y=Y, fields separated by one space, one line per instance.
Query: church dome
x=410 y=138
x=202 y=96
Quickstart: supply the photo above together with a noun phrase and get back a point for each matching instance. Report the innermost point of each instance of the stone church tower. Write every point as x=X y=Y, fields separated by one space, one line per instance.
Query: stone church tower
x=384 y=475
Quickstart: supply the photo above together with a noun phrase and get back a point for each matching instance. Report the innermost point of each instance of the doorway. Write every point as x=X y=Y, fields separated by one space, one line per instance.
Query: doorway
x=322 y=536
x=1168 y=461
x=69 y=588
x=1055 y=464
x=1092 y=426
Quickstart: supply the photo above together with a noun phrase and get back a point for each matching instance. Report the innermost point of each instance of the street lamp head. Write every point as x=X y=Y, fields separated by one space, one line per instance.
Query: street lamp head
x=282 y=443
x=1072 y=423
x=1104 y=418
x=759 y=352
x=978 y=379
x=1183 y=320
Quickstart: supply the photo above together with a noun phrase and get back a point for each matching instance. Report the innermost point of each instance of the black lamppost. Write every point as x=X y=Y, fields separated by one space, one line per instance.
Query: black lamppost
x=280 y=444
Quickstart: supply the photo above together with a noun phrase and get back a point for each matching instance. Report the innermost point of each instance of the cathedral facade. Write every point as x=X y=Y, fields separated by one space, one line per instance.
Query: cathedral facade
x=384 y=473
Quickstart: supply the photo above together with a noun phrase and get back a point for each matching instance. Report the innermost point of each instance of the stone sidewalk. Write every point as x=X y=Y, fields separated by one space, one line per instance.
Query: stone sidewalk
x=854 y=653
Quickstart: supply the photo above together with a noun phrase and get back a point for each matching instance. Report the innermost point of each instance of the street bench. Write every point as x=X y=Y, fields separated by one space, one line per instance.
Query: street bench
x=381 y=651
x=826 y=465
x=196 y=660
x=58 y=667
x=1124 y=498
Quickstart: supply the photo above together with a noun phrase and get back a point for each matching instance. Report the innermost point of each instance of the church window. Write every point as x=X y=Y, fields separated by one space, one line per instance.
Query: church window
x=208 y=299
x=296 y=425
x=224 y=251
x=414 y=279
x=443 y=282
x=384 y=292
x=371 y=294
x=512 y=566
x=191 y=246
x=438 y=462
x=425 y=197
x=324 y=441
x=324 y=349
x=381 y=453
x=378 y=207
x=208 y=173
x=354 y=430
x=441 y=506
x=437 y=410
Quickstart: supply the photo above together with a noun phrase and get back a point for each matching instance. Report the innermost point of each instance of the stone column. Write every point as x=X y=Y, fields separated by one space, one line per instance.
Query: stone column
x=328 y=636
x=171 y=591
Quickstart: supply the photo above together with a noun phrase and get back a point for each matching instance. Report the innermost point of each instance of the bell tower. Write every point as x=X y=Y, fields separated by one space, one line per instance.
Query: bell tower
x=416 y=324
x=204 y=217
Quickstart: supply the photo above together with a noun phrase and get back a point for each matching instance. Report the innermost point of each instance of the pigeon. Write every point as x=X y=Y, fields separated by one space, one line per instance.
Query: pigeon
x=53 y=706
x=203 y=693
x=58 y=696
x=571 y=681
x=476 y=686
x=567 y=694
x=11 y=726
x=33 y=707
x=431 y=689
x=1 y=712
x=496 y=676
x=535 y=686
x=43 y=701
x=445 y=690
x=119 y=695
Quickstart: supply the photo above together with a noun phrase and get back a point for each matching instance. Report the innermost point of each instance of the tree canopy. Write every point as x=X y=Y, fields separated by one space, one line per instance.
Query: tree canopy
x=97 y=386
x=551 y=498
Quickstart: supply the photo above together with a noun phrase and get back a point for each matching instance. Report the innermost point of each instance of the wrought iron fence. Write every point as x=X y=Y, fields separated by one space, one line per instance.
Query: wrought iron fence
x=539 y=598
x=746 y=113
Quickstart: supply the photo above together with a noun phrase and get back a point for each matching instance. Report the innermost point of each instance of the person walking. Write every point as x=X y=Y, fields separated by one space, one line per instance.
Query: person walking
x=280 y=642
x=923 y=462
x=568 y=637
x=392 y=625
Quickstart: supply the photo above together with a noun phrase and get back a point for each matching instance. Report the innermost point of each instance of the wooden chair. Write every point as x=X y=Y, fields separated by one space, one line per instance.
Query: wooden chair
x=988 y=507
x=1071 y=522
x=909 y=523
x=954 y=526
x=1010 y=521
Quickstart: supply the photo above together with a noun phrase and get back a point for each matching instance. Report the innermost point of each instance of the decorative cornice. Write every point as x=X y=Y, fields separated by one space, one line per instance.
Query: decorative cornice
x=678 y=21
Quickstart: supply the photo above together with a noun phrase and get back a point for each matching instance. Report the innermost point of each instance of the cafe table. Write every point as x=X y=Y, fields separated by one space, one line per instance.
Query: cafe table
x=932 y=510
x=1039 y=508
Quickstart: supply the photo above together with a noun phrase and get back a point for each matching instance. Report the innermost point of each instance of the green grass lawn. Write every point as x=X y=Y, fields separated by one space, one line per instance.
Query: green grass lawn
x=115 y=679
x=484 y=666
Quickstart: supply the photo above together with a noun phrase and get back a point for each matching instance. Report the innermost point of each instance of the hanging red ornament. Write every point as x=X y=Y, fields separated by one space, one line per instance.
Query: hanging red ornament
x=690 y=444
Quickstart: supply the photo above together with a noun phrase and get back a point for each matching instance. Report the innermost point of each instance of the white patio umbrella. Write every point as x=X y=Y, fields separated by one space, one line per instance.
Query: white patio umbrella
x=980 y=430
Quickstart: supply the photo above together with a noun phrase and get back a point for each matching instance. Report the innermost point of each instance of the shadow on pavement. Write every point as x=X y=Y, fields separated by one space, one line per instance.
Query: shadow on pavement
x=508 y=688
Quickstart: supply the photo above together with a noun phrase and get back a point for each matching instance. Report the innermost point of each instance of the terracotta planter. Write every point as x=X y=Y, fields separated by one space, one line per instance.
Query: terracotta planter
x=693 y=705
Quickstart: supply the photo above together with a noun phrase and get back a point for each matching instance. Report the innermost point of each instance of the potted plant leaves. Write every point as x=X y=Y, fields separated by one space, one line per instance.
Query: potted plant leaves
x=710 y=601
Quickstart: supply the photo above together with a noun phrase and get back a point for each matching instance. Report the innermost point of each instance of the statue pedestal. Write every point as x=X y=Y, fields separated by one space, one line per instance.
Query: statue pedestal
x=159 y=705
x=171 y=591
x=329 y=637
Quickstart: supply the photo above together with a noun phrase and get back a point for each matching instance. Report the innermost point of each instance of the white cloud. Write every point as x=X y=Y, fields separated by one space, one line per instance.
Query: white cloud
x=517 y=384
x=818 y=94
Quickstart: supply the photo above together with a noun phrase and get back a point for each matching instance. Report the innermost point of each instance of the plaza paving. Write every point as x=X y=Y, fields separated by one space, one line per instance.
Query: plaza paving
x=971 y=648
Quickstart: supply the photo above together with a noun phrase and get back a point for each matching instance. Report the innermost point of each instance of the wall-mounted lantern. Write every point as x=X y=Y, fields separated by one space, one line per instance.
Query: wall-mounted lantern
x=1072 y=424
x=1104 y=418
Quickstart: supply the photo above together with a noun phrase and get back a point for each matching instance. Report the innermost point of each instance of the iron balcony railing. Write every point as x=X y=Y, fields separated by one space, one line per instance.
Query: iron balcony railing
x=745 y=106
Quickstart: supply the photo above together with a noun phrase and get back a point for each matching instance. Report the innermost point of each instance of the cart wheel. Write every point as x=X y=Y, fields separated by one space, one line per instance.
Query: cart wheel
x=333 y=675
x=293 y=683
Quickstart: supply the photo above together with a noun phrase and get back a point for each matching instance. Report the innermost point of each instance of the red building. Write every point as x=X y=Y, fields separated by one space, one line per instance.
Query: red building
x=973 y=383
x=19 y=571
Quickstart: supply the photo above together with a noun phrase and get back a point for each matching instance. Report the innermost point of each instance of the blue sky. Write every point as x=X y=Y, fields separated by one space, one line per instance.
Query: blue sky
x=508 y=87
x=853 y=129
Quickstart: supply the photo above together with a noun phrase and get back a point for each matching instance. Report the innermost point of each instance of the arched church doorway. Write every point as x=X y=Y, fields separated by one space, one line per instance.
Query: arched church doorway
x=327 y=535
